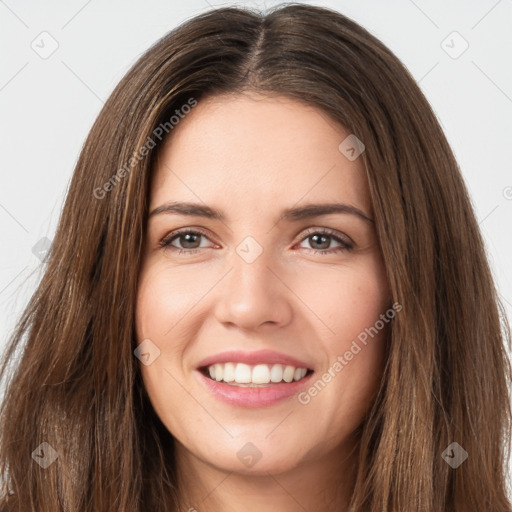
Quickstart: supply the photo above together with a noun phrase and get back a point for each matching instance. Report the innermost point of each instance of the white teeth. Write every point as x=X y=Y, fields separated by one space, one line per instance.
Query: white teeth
x=288 y=373
x=219 y=370
x=241 y=373
x=229 y=372
x=261 y=374
x=276 y=373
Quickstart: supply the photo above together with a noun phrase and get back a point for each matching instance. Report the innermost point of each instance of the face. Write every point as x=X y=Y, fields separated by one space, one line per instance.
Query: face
x=240 y=288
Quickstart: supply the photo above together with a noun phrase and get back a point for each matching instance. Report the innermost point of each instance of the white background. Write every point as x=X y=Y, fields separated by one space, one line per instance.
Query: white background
x=47 y=106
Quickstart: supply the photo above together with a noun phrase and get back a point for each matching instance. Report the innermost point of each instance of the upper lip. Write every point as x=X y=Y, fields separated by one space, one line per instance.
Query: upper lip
x=252 y=358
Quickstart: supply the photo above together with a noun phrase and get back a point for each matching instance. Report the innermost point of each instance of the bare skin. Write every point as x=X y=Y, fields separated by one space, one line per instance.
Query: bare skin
x=252 y=157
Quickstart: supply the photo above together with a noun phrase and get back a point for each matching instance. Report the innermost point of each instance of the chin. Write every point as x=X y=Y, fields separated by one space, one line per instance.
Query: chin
x=257 y=458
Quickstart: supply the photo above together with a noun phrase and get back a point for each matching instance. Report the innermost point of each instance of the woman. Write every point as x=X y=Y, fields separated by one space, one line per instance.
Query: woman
x=191 y=347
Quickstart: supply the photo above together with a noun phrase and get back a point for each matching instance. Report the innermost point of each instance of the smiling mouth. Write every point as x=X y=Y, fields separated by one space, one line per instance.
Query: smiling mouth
x=254 y=376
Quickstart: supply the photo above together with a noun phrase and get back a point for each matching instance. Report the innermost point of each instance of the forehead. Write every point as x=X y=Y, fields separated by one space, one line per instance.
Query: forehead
x=253 y=152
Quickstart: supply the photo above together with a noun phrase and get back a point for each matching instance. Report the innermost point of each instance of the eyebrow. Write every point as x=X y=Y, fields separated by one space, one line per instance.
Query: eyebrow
x=290 y=214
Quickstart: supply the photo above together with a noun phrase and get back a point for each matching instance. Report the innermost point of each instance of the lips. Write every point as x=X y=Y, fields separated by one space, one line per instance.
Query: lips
x=279 y=376
x=254 y=358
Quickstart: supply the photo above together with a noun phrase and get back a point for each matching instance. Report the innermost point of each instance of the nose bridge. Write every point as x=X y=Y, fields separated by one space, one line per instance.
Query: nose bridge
x=253 y=295
x=251 y=278
x=251 y=264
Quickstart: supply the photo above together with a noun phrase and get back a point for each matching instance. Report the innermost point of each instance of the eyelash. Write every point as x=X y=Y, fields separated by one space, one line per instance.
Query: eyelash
x=165 y=243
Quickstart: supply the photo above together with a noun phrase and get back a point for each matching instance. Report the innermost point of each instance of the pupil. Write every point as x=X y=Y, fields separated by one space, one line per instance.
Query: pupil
x=321 y=236
x=188 y=241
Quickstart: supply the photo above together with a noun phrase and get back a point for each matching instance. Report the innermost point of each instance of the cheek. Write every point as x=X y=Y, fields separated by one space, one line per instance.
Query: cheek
x=362 y=330
x=162 y=305
x=351 y=302
x=164 y=299
x=159 y=309
x=346 y=299
x=150 y=302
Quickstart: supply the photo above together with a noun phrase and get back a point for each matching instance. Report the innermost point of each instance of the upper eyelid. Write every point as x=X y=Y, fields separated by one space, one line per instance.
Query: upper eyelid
x=308 y=231
x=328 y=231
x=181 y=231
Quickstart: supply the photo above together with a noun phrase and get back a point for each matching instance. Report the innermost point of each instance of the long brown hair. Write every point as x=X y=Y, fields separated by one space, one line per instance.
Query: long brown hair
x=77 y=385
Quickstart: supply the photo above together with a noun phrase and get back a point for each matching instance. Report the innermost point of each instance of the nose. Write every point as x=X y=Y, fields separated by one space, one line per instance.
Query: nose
x=254 y=294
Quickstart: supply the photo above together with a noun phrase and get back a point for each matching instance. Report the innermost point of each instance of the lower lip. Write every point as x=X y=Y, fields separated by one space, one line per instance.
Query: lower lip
x=253 y=397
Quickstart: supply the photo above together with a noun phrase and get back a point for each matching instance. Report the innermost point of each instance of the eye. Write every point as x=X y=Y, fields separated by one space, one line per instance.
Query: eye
x=188 y=237
x=322 y=238
x=190 y=241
